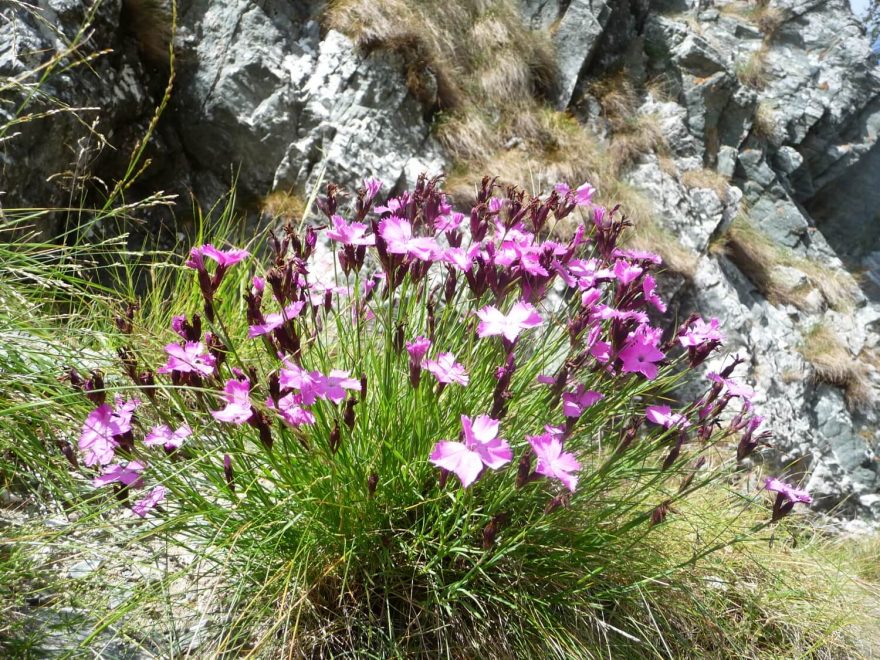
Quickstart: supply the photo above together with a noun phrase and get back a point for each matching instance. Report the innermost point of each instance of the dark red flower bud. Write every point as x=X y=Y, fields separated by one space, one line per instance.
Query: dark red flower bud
x=335 y=439
x=348 y=415
x=659 y=514
x=68 y=452
x=372 y=483
x=363 y=386
x=228 y=473
x=524 y=469
x=560 y=500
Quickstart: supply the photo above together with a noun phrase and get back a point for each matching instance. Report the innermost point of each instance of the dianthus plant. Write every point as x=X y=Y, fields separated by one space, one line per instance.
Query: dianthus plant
x=462 y=418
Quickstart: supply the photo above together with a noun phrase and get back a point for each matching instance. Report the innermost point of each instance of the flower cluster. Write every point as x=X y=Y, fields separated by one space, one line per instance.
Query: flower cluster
x=480 y=318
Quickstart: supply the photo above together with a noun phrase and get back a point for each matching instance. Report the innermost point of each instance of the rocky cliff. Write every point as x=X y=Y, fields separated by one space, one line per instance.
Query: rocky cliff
x=748 y=130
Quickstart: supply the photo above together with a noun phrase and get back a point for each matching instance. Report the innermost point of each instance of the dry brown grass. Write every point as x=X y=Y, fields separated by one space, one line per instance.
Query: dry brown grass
x=764 y=121
x=753 y=71
x=283 y=205
x=833 y=363
x=491 y=73
x=760 y=258
x=767 y=19
x=706 y=178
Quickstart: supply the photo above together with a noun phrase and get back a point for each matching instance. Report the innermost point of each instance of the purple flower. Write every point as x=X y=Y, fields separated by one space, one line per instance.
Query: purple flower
x=640 y=353
x=583 y=196
x=494 y=322
x=792 y=494
x=314 y=385
x=144 y=506
x=349 y=234
x=372 y=185
x=290 y=409
x=307 y=382
x=223 y=258
x=238 y=402
x=259 y=284
x=786 y=497
x=700 y=333
x=130 y=475
x=397 y=233
x=191 y=357
x=552 y=461
x=663 y=416
x=649 y=286
x=418 y=348
x=448 y=222
x=97 y=439
x=733 y=388
x=575 y=403
x=163 y=435
x=334 y=384
x=481 y=446
x=447 y=370
x=276 y=320
x=626 y=272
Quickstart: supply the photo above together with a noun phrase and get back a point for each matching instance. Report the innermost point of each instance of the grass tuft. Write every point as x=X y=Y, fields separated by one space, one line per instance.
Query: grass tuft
x=761 y=259
x=833 y=363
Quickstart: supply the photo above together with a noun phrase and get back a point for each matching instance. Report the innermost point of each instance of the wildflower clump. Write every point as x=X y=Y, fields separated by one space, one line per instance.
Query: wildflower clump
x=316 y=418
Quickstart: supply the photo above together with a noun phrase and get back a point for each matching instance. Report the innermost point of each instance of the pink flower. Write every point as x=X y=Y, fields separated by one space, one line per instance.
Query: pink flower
x=238 y=402
x=130 y=475
x=481 y=447
x=144 y=506
x=733 y=388
x=314 y=385
x=418 y=348
x=649 y=286
x=307 y=382
x=191 y=357
x=163 y=435
x=700 y=333
x=457 y=257
x=276 y=320
x=638 y=255
x=494 y=322
x=584 y=194
x=640 y=353
x=792 y=494
x=223 y=258
x=626 y=272
x=97 y=438
x=372 y=185
x=575 y=403
x=552 y=461
x=397 y=233
x=349 y=234
x=333 y=385
x=448 y=222
x=663 y=416
x=290 y=409
x=447 y=370
x=259 y=284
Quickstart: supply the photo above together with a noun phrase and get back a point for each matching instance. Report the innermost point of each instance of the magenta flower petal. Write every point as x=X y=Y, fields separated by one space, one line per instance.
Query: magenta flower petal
x=494 y=322
x=276 y=320
x=446 y=370
x=640 y=353
x=458 y=459
x=663 y=416
x=238 y=408
x=189 y=358
x=552 y=461
x=154 y=497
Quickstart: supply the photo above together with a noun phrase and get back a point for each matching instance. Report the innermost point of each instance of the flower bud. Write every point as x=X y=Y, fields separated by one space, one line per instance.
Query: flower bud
x=348 y=415
x=372 y=483
x=335 y=438
x=227 y=472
